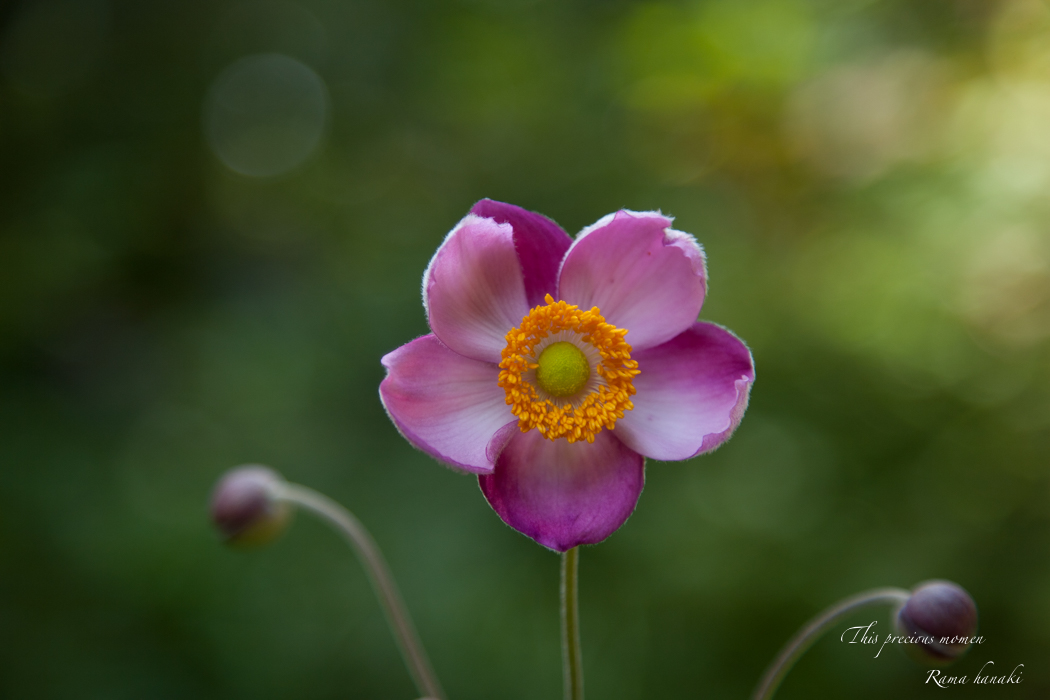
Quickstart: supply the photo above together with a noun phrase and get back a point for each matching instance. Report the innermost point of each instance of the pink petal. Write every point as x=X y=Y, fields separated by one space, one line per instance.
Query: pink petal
x=447 y=405
x=540 y=243
x=473 y=288
x=563 y=495
x=692 y=393
x=642 y=275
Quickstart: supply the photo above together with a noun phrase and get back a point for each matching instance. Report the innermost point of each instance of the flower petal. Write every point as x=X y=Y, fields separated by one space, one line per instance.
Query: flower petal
x=473 y=289
x=692 y=393
x=447 y=405
x=642 y=275
x=539 y=242
x=562 y=494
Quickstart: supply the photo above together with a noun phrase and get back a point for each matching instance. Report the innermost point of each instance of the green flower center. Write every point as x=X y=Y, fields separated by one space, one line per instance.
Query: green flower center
x=563 y=369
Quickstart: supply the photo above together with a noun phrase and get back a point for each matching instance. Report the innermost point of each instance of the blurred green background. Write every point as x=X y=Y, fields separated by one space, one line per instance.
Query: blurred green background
x=214 y=218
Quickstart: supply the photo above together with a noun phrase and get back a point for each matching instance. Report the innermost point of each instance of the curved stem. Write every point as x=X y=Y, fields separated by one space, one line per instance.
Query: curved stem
x=382 y=581
x=572 y=661
x=816 y=627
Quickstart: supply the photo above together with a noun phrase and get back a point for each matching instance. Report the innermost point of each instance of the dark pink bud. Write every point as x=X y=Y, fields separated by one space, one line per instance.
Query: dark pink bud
x=943 y=616
x=245 y=507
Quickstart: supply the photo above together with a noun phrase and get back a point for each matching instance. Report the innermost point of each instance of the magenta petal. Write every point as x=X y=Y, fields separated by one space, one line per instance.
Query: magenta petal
x=539 y=242
x=642 y=275
x=692 y=393
x=473 y=288
x=447 y=405
x=564 y=495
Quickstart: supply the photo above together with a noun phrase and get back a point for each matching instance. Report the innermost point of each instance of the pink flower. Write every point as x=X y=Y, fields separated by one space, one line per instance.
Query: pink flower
x=528 y=379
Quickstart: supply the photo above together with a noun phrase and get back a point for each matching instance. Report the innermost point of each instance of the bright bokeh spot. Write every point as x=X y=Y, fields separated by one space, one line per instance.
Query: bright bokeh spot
x=265 y=114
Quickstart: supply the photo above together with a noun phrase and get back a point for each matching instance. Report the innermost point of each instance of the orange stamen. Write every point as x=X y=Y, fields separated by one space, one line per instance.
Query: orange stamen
x=582 y=417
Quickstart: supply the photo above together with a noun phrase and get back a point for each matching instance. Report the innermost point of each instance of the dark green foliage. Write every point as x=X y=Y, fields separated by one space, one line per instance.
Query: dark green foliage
x=868 y=179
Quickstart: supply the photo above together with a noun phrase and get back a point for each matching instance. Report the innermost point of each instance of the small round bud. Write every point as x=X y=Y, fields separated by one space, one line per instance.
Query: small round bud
x=942 y=616
x=245 y=507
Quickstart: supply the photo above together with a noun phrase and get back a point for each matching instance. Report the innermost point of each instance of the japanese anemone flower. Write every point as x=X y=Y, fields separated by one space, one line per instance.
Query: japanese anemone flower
x=528 y=380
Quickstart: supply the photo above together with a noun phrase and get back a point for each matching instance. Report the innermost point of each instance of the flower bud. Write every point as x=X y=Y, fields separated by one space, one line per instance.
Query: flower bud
x=245 y=507
x=943 y=616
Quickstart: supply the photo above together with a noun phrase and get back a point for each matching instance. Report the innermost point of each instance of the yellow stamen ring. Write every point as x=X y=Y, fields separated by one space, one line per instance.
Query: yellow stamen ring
x=545 y=382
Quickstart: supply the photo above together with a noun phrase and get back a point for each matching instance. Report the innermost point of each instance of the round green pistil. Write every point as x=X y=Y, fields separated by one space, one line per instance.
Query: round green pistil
x=563 y=369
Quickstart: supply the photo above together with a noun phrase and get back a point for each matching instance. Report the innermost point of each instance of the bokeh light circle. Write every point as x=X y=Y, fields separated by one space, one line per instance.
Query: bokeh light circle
x=265 y=114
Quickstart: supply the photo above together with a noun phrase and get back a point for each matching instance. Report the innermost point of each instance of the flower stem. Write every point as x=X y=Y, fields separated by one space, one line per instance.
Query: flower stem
x=809 y=634
x=572 y=661
x=382 y=581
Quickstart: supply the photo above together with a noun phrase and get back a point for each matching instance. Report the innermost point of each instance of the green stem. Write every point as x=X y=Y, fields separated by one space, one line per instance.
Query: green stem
x=572 y=661
x=382 y=581
x=809 y=634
